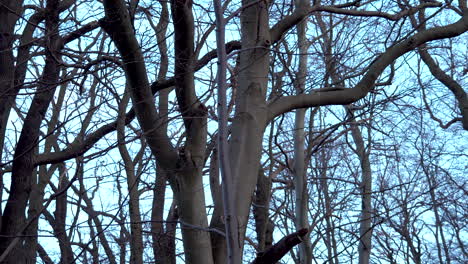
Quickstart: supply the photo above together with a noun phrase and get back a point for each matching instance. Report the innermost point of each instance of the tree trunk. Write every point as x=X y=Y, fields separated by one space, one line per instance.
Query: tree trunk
x=250 y=113
x=300 y=168
x=185 y=168
x=261 y=209
x=365 y=221
x=136 y=239
x=13 y=218
x=7 y=95
x=8 y=18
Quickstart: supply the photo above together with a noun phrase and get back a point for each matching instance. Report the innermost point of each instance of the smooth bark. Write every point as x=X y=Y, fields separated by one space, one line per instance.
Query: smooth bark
x=230 y=212
x=250 y=113
x=300 y=169
x=365 y=221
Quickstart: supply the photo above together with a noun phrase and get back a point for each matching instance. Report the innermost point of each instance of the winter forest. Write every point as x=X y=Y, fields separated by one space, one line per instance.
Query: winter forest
x=253 y=131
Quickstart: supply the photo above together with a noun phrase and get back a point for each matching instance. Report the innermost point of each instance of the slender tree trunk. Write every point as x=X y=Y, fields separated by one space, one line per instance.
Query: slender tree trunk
x=330 y=242
x=365 y=221
x=261 y=210
x=234 y=255
x=300 y=173
x=96 y=225
x=439 y=234
x=161 y=237
x=136 y=239
x=60 y=218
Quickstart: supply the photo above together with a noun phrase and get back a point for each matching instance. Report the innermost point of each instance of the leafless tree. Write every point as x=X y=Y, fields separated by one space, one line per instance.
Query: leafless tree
x=110 y=149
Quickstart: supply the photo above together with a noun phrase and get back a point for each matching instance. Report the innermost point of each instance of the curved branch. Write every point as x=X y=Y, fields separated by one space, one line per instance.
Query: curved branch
x=449 y=82
x=347 y=96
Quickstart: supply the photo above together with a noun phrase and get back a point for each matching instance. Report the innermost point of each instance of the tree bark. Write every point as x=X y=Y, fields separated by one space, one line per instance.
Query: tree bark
x=365 y=221
x=230 y=212
x=23 y=164
x=250 y=113
x=261 y=210
x=300 y=168
x=185 y=168
x=8 y=18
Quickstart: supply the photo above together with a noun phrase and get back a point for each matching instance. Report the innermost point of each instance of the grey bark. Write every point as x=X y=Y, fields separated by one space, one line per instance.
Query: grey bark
x=163 y=250
x=365 y=221
x=230 y=212
x=300 y=168
x=8 y=19
x=250 y=113
x=330 y=236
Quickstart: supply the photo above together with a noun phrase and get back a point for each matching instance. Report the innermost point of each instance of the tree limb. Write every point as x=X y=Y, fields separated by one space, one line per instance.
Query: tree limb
x=277 y=251
x=347 y=96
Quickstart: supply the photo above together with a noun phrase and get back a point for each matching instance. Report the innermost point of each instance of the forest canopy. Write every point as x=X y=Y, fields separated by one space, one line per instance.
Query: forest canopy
x=246 y=131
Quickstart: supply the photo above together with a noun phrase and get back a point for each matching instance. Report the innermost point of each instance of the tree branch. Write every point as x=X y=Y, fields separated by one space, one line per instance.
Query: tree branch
x=117 y=24
x=290 y=21
x=277 y=251
x=347 y=96
x=78 y=148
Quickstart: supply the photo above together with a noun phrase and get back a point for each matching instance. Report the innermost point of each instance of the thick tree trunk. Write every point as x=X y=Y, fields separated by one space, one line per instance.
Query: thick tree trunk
x=250 y=114
x=8 y=19
x=40 y=182
x=189 y=189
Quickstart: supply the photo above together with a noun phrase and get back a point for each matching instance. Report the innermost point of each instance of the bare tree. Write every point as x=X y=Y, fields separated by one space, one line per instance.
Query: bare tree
x=108 y=136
